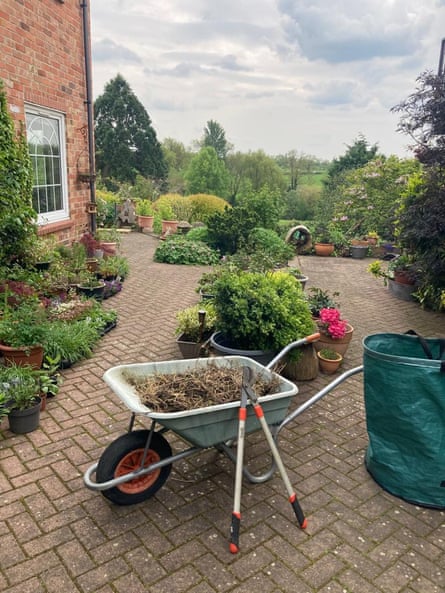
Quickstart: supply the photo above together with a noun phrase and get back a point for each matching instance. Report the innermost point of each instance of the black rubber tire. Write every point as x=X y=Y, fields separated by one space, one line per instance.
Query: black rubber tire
x=124 y=447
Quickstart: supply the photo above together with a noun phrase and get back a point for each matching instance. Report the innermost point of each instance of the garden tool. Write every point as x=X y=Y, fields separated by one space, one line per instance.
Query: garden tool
x=247 y=386
x=242 y=415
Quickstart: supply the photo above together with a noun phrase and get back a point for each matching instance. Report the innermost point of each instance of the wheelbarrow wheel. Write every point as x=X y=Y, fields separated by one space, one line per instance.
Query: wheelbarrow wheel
x=123 y=456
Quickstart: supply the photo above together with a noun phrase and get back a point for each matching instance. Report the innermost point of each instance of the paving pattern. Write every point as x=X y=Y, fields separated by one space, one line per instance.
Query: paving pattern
x=56 y=536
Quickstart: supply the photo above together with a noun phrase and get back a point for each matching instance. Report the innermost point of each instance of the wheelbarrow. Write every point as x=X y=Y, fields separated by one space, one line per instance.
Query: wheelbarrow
x=137 y=464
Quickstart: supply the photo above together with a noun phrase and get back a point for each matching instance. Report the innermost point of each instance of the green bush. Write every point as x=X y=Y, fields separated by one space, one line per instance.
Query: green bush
x=205 y=205
x=199 y=233
x=173 y=207
x=107 y=203
x=179 y=250
x=261 y=311
x=270 y=244
x=228 y=231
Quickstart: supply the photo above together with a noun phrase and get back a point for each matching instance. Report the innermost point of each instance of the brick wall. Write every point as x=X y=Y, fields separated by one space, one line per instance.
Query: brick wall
x=42 y=62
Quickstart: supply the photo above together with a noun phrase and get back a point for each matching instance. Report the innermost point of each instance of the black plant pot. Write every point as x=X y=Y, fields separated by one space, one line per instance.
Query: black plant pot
x=93 y=292
x=222 y=347
x=23 y=421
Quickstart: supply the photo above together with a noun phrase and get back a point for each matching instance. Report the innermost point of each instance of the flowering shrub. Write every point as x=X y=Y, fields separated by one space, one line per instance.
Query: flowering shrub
x=331 y=323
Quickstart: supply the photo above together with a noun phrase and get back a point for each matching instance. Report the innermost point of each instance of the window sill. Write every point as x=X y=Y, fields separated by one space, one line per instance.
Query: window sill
x=54 y=227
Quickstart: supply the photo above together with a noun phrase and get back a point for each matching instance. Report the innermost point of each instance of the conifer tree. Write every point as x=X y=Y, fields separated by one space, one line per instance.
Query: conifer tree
x=126 y=142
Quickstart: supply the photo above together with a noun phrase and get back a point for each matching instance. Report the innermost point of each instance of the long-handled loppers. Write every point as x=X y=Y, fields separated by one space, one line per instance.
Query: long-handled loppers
x=236 y=514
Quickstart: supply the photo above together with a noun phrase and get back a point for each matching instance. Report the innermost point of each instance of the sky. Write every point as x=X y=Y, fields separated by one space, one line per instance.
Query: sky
x=277 y=75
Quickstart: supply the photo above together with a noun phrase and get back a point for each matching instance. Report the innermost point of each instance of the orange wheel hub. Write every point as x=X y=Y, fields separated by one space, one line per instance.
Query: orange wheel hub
x=132 y=462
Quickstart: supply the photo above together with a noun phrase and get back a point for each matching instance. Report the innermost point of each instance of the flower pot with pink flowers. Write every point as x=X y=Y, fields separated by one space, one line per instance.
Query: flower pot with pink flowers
x=335 y=332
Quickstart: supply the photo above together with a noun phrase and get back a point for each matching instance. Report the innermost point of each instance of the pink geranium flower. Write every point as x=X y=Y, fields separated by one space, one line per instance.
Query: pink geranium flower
x=331 y=323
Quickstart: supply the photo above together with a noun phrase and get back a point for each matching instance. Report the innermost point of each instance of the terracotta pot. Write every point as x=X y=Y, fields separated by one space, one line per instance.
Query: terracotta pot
x=109 y=247
x=32 y=356
x=146 y=222
x=169 y=227
x=324 y=249
x=403 y=277
x=327 y=365
x=339 y=345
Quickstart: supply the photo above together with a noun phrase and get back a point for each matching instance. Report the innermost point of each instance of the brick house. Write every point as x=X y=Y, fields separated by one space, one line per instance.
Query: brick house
x=45 y=68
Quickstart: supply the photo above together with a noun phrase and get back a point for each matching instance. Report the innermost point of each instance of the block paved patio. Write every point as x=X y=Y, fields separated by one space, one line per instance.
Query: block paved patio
x=59 y=537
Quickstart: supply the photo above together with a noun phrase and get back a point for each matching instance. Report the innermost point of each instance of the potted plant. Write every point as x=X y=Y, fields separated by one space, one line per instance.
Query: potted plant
x=145 y=214
x=169 y=224
x=108 y=240
x=22 y=332
x=21 y=400
x=70 y=342
x=114 y=266
x=93 y=251
x=43 y=253
x=258 y=314
x=400 y=275
x=359 y=251
x=335 y=332
x=90 y=286
x=329 y=360
x=323 y=243
x=319 y=299
x=49 y=379
x=195 y=326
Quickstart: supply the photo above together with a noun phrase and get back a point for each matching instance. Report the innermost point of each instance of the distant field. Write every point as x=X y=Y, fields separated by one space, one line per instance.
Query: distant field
x=315 y=178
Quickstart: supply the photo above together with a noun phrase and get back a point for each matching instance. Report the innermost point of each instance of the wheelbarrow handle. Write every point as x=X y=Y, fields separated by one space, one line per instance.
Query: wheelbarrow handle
x=291 y=346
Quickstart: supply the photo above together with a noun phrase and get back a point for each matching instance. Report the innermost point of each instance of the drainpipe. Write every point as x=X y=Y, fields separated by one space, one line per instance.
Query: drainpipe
x=441 y=71
x=89 y=104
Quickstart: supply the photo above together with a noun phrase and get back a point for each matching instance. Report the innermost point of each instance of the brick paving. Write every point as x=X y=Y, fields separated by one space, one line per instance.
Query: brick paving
x=58 y=536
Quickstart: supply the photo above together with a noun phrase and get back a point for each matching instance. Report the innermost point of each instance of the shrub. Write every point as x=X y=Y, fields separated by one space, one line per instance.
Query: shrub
x=107 y=203
x=173 y=207
x=199 y=233
x=261 y=311
x=205 y=205
x=179 y=250
x=229 y=230
x=188 y=321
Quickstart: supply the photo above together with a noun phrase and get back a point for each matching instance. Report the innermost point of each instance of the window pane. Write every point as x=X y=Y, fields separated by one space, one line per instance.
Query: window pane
x=44 y=142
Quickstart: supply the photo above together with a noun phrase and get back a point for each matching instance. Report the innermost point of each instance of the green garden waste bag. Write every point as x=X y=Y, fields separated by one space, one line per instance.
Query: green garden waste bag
x=404 y=387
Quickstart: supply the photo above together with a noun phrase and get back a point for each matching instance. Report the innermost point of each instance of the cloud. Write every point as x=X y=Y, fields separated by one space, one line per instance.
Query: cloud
x=348 y=31
x=307 y=75
x=107 y=50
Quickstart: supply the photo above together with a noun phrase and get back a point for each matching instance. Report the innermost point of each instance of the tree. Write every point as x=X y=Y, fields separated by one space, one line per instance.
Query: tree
x=356 y=155
x=126 y=143
x=178 y=159
x=215 y=136
x=207 y=174
x=296 y=165
x=423 y=119
x=251 y=171
x=421 y=225
x=368 y=198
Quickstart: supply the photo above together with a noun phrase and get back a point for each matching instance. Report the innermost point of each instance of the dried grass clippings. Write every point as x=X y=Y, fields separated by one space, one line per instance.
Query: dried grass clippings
x=195 y=388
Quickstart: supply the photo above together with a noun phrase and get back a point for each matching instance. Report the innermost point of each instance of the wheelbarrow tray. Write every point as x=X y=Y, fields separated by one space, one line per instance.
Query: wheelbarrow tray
x=210 y=425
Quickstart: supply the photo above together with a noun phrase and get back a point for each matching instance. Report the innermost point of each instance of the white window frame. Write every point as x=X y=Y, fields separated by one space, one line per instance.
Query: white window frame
x=63 y=212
